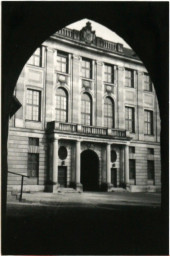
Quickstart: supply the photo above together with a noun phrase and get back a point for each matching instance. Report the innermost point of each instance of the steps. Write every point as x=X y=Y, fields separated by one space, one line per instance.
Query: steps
x=67 y=190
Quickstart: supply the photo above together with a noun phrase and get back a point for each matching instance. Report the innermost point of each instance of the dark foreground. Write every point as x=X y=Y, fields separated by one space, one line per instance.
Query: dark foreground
x=93 y=224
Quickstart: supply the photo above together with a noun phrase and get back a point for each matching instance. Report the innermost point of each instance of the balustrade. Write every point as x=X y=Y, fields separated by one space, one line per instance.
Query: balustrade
x=85 y=129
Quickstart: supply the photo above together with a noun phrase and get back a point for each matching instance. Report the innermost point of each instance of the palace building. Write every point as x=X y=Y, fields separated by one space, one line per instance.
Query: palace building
x=89 y=118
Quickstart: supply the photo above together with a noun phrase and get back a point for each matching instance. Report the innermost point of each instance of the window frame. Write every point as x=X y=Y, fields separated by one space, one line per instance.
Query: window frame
x=150 y=175
x=85 y=60
x=107 y=117
x=148 y=124
x=33 y=162
x=132 y=169
x=60 y=110
x=86 y=116
x=32 y=105
x=32 y=59
x=147 y=84
x=130 y=121
x=131 y=150
x=107 y=74
x=63 y=55
x=131 y=79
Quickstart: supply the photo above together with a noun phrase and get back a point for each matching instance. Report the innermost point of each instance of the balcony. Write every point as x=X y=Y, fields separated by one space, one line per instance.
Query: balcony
x=93 y=131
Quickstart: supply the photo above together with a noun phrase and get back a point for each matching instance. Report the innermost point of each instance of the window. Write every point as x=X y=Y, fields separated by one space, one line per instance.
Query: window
x=86 y=68
x=148 y=119
x=129 y=119
x=108 y=113
x=62 y=62
x=129 y=79
x=131 y=150
x=150 y=151
x=33 y=107
x=33 y=141
x=147 y=83
x=61 y=105
x=36 y=58
x=132 y=169
x=33 y=165
x=150 y=170
x=108 y=73
x=86 y=109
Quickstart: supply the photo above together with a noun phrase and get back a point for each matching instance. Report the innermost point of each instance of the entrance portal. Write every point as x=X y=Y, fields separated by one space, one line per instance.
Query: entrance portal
x=89 y=170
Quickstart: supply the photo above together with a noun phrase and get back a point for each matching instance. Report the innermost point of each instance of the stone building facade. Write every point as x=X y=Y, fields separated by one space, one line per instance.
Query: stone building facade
x=89 y=118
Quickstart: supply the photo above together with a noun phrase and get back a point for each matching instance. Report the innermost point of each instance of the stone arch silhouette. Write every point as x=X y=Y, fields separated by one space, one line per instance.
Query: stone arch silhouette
x=149 y=38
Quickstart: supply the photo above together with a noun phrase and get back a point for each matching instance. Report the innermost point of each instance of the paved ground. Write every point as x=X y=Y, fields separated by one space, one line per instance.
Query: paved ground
x=87 y=223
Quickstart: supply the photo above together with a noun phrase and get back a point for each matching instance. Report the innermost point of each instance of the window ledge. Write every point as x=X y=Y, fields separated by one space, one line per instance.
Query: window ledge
x=89 y=79
x=111 y=84
x=34 y=66
x=62 y=73
x=33 y=121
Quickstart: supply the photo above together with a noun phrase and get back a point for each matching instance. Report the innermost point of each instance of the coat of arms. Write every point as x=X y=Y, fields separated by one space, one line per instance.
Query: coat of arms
x=87 y=34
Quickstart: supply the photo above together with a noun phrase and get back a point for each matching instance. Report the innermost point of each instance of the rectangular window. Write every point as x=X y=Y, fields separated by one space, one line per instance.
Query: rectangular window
x=148 y=120
x=33 y=141
x=33 y=165
x=33 y=105
x=108 y=73
x=131 y=150
x=62 y=62
x=36 y=58
x=132 y=169
x=129 y=119
x=150 y=170
x=86 y=68
x=150 y=151
x=147 y=83
x=129 y=78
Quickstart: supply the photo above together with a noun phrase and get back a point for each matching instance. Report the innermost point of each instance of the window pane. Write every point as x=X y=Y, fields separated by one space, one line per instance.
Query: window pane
x=129 y=119
x=33 y=105
x=61 y=105
x=86 y=109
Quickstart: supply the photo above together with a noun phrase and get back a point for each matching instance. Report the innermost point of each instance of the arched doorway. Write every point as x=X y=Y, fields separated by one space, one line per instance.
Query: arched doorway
x=89 y=170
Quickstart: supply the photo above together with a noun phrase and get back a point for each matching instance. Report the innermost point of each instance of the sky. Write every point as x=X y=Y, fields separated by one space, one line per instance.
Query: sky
x=101 y=31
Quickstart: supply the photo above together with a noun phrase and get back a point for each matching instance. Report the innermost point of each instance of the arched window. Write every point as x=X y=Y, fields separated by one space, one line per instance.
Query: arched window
x=108 y=113
x=61 y=105
x=86 y=109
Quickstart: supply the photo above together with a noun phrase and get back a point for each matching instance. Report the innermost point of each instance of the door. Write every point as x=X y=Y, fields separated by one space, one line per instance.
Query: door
x=89 y=170
x=62 y=176
x=114 y=176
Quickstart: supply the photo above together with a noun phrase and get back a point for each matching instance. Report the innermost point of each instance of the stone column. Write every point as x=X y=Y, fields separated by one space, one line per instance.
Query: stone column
x=55 y=165
x=78 y=166
x=108 y=155
x=127 y=165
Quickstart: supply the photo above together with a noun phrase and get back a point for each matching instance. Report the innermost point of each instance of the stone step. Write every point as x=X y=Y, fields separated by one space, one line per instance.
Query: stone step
x=67 y=190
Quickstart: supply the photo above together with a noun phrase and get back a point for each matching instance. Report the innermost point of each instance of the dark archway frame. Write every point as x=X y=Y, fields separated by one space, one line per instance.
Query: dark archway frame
x=93 y=166
x=144 y=25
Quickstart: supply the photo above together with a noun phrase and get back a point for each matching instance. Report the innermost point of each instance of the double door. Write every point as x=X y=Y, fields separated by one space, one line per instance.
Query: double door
x=114 y=176
x=62 y=176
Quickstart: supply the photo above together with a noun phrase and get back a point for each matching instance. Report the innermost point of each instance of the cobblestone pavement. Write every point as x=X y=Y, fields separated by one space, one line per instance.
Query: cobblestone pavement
x=89 y=223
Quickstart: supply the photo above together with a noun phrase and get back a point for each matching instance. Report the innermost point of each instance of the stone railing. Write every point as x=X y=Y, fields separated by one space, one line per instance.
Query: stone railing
x=98 y=42
x=85 y=129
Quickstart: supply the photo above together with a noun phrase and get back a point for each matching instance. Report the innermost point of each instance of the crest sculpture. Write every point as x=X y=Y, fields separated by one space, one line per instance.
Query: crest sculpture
x=87 y=35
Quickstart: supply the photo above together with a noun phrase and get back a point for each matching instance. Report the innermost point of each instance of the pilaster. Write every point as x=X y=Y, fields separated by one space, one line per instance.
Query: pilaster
x=121 y=91
x=76 y=90
x=99 y=92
